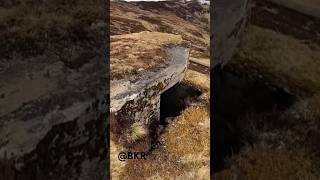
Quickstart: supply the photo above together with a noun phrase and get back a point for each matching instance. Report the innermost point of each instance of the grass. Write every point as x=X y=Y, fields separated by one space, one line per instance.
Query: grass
x=185 y=154
x=197 y=80
x=136 y=52
x=136 y=131
x=188 y=137
x=286 y=61
x=31 y=28
x=184 y=150
x=116 y=167
x=131 y=18
x=268 y=163
x=279 y=145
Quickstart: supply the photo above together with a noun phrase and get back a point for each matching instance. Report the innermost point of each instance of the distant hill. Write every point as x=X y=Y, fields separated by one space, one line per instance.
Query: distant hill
x=189 y=19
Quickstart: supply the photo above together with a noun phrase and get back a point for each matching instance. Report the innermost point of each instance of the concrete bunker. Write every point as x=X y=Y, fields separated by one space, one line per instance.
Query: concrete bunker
x=143 y=66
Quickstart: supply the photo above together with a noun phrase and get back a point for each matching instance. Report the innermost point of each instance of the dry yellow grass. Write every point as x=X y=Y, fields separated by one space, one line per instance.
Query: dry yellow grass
x=136 y=131
x=189 y=135
x=185 y=155
x=128 y=18
x=186 y=150
x=198 y=80
x=136 y=52
x=116 y=167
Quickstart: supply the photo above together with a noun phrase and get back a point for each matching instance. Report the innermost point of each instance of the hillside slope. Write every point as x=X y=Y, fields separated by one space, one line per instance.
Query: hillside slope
x=187 y=19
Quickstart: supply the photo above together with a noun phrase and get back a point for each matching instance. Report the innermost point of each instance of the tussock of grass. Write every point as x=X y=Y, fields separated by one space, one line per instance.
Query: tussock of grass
x=136 y=131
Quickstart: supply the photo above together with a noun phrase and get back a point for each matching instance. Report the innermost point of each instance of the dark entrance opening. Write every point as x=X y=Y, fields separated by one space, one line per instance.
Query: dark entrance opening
x=173 y=101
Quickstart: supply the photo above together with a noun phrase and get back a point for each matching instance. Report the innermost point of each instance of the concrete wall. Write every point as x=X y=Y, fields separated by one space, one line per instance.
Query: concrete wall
x=229 y=18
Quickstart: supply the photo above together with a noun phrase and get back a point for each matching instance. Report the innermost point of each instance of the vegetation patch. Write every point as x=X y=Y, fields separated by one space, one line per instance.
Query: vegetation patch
x=31 y=28
x=264 y=162
x=280 y=143
x=138 y=52
x=288 y=62
x=182 y=147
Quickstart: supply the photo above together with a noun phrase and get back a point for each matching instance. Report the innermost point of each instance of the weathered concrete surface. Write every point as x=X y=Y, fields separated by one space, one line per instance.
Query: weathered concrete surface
x=51 y=118
x=229 y=19
x=136 y=98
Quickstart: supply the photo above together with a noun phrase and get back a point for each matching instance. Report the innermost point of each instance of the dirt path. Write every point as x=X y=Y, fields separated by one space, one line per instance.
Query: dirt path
x=198 y=66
